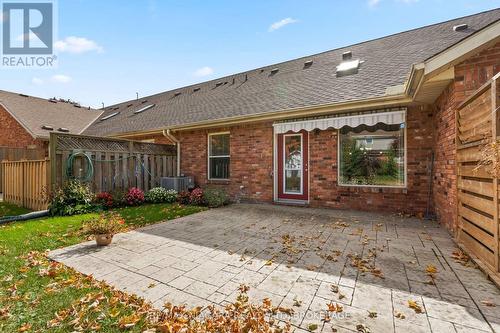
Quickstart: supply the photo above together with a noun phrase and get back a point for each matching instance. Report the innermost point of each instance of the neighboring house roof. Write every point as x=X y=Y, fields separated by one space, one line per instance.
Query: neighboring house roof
x=387 y=62
x=33 y=113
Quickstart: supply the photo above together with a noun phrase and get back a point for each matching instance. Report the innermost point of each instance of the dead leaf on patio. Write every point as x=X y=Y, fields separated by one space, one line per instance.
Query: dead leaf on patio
x=269 y=262
x=312 y=327
x=399 y=315
x=488 y=303
x=415 y=306
x=311 y=268
x=152 y=285
x=362 y=328
x=335 y=307
x=341 y=296
x=372 y=314
x=462 y=258
x=431 y=269
x=297 y=302
x=243 y=288
x=334 y=288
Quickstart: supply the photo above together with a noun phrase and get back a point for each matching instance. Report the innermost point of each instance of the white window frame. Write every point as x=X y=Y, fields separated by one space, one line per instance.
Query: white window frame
x=405 y=170
x=301 y=164
x=208 y=155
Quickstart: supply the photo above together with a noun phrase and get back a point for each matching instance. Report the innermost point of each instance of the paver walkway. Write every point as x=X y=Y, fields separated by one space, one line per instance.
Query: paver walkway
x=367 y=263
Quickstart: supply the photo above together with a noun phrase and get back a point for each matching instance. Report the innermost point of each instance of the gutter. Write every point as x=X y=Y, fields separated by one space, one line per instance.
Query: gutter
x=168 y=135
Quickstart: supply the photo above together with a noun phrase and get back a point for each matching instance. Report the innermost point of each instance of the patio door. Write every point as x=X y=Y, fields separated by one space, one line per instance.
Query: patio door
x=293 y=176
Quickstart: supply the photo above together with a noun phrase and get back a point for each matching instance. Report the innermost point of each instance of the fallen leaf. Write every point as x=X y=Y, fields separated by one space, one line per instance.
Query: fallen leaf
x=372 y=314
x=488 y=303
x=312 y=327
x=415 y=306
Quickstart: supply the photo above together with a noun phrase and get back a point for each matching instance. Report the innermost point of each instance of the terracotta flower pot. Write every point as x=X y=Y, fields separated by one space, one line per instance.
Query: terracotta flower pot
x=103 y=240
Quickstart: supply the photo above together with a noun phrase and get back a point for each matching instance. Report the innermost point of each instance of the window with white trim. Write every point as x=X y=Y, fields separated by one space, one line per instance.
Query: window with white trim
x=372 y=155
x=218 y=156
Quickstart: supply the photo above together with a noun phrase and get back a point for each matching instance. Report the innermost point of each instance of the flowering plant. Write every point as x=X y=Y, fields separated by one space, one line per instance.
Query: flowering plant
x=104 y=199
x=196 y=197
x=159 y=194
x=134 y=196
x=104 y=224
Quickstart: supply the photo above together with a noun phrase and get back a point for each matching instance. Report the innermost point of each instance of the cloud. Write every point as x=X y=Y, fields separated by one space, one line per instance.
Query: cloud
x=59 y=78
x=37 y=81
x=76 y=45
x=204 y=71
x=373 y=3
x=281 y=24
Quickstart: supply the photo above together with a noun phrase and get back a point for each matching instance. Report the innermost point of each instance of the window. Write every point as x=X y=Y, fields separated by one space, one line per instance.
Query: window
x=218 y=156
x=372 y=155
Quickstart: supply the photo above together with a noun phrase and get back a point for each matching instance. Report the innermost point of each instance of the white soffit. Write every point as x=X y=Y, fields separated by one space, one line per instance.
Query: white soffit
x=370 y=119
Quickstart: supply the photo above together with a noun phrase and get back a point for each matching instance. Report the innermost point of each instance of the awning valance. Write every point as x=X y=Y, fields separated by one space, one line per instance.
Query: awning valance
x=370 y=119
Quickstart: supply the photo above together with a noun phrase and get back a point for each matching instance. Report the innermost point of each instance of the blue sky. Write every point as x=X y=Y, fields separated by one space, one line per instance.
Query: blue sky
x=109 y=50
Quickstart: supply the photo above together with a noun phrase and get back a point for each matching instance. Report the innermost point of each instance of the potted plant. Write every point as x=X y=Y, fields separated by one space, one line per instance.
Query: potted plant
x=104 y=227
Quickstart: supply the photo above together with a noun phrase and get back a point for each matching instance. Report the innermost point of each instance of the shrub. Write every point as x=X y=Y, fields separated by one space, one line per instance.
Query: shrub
x=159 y=194
x=74 y=197
x=214 y=197
x=104 y=224
x=196 y=197
x=118 y=198
x=184 y=198
x=134 y=197
x=105 y=200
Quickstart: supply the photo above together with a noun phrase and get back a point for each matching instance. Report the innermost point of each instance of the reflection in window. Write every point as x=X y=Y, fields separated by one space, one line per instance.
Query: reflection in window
x=372 y=155
x=293 y=163
x=218 y=156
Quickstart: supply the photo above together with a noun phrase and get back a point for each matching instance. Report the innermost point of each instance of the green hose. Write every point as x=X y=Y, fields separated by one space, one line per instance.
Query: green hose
x=69 y=167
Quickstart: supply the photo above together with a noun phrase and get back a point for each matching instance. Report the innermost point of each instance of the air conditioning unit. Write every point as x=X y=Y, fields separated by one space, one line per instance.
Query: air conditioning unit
x=179 y=184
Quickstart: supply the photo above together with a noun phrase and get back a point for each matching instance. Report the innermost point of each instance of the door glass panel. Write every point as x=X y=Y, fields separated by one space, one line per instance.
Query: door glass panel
x=293 y=163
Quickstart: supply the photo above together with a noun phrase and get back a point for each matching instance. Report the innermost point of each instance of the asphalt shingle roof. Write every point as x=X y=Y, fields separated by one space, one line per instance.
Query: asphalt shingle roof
x=33 y=113
x=386 y=62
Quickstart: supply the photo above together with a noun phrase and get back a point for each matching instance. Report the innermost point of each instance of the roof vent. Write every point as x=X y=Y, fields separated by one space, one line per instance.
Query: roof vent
x=218 y=84
x=460 y=27
x=23 y=95
x=47 y=127
x=63 y=129
x=53 y=100
x=144 y=101
x=196 y=89
x=308 y=64
x=129 y=105
x=274 y=71
x=347 y=56
x=109 y=116
x=348 y=67
x=144 y=108
x=177 y=94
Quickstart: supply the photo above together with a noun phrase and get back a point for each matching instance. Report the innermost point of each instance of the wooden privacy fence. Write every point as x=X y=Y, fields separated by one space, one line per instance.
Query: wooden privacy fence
x=477 y=188
x=25 y=183
x=117 y=164
x=17 y=154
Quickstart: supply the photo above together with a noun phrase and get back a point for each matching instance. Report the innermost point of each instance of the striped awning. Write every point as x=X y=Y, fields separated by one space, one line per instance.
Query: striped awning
x=370 y=119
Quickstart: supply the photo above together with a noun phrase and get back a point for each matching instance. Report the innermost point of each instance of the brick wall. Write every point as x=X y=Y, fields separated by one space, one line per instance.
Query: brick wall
x=469 y=76
x=251 y=148
x=252 y=166
x=13 y=134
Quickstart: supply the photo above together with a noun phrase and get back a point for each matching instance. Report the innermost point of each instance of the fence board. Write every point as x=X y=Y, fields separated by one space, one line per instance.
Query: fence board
x=478 y=190
x=25 y=183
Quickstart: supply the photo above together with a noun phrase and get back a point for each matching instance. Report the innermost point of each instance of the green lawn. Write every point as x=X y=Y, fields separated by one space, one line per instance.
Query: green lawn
x=7 y=209
x=32 y=290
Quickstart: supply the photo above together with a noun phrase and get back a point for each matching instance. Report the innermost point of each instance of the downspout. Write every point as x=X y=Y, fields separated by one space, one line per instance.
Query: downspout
x=168 y=135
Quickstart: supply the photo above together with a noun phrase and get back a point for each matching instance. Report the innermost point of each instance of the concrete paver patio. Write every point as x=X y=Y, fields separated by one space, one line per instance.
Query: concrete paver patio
x=302 y=259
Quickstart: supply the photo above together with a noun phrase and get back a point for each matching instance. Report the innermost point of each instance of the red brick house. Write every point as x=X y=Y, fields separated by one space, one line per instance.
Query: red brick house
x=26 y=121
x=368 y=126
